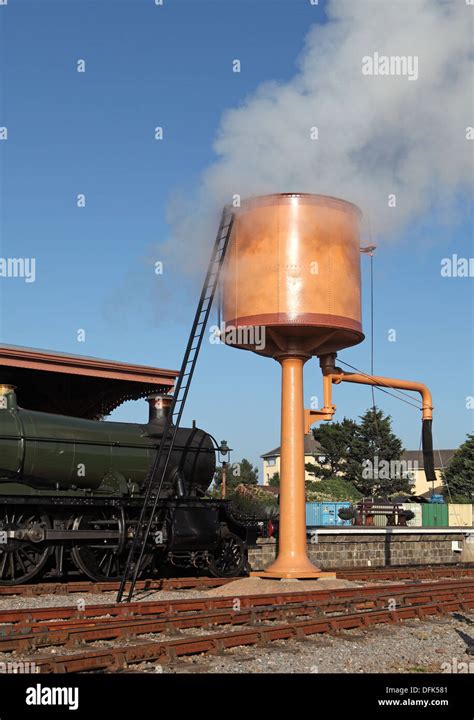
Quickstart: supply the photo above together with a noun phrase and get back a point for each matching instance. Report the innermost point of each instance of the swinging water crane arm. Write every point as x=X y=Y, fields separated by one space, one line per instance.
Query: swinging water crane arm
x=335 y=375
x=427 y=403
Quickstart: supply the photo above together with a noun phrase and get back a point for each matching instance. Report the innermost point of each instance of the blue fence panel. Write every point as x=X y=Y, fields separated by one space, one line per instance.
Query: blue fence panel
x=313 y=514
x=325 y=514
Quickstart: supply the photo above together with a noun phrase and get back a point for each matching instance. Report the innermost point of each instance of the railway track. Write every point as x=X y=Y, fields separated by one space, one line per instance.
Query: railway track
x=34 y=617
x=413 y=572
x=408 y=572
x=256 y=621
x=74 y=632
x=87 y=586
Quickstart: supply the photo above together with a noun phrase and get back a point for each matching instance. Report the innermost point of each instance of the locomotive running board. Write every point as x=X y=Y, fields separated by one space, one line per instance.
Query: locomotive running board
x=156 y=476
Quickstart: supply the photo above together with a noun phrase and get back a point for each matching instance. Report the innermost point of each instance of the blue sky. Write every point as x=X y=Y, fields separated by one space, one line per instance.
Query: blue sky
x=93 y=133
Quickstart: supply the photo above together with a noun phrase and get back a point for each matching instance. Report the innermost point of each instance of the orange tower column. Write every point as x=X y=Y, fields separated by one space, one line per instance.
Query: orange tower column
x=292 y=560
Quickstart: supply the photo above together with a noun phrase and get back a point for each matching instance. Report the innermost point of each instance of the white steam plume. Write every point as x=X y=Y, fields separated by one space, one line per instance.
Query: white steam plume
x=378 y=135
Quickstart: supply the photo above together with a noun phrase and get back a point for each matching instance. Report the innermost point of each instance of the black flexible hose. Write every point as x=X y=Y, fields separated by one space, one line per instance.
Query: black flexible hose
x=427 y=446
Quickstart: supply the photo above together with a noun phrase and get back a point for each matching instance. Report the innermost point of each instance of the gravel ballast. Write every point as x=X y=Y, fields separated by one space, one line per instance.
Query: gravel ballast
x=430 y=646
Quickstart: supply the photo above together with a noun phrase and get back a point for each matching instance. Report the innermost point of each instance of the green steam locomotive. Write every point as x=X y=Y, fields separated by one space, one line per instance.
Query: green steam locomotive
x=71 y=492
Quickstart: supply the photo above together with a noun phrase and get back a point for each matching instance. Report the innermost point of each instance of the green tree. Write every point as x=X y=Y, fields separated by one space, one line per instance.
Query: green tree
x=335 y=440
x=366 y=454
x=373 y=461
x=248 y=473
x=459 y=475
x=334 y=489
x=255 y=500
x=275 y=480
x=237 y=473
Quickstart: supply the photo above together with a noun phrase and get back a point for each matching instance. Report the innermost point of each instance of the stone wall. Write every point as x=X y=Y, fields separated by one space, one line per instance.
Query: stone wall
x=363 y=550
x=467 y=554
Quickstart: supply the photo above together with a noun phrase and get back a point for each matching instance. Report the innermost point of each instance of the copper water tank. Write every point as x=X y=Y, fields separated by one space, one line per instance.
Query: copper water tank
x=292 y=267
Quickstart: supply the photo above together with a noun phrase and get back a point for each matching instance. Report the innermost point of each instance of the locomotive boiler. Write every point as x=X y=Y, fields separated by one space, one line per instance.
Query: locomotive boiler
x=71 y=490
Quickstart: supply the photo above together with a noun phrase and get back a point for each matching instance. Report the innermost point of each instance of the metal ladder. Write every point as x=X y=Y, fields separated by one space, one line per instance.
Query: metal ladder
x=156 y=476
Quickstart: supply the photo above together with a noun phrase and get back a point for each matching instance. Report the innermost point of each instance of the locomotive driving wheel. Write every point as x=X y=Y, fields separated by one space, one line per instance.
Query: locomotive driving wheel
x=228 y=559
x=22 y=559
x=105 y=558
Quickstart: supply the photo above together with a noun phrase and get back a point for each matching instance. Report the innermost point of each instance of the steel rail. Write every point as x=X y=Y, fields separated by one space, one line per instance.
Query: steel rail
x=89 y=586
x=34 y=617
x=378 y=573
x=86 y=630
x=400 y=573
x=117 y=658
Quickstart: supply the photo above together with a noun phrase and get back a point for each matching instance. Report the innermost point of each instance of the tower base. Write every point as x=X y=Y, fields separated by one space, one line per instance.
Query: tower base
x=293 y=574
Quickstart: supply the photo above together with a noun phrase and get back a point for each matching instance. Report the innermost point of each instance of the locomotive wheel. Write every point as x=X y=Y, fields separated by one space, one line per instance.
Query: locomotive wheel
x=100 y=560
x=228 y=560
x=22 y=560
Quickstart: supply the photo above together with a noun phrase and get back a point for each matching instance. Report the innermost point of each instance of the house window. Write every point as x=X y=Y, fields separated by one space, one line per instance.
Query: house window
x=321 y=458
x=271 y=461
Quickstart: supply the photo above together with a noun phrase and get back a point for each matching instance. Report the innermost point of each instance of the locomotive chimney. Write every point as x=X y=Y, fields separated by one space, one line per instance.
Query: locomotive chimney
x=7 y=397
x=159 y=407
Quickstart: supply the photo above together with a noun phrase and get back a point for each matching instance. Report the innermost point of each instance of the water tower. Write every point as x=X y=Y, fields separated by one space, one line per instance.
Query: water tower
x=291 y=289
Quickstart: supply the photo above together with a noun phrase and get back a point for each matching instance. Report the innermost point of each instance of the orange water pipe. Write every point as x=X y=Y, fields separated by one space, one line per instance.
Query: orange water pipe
x=336 y=376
